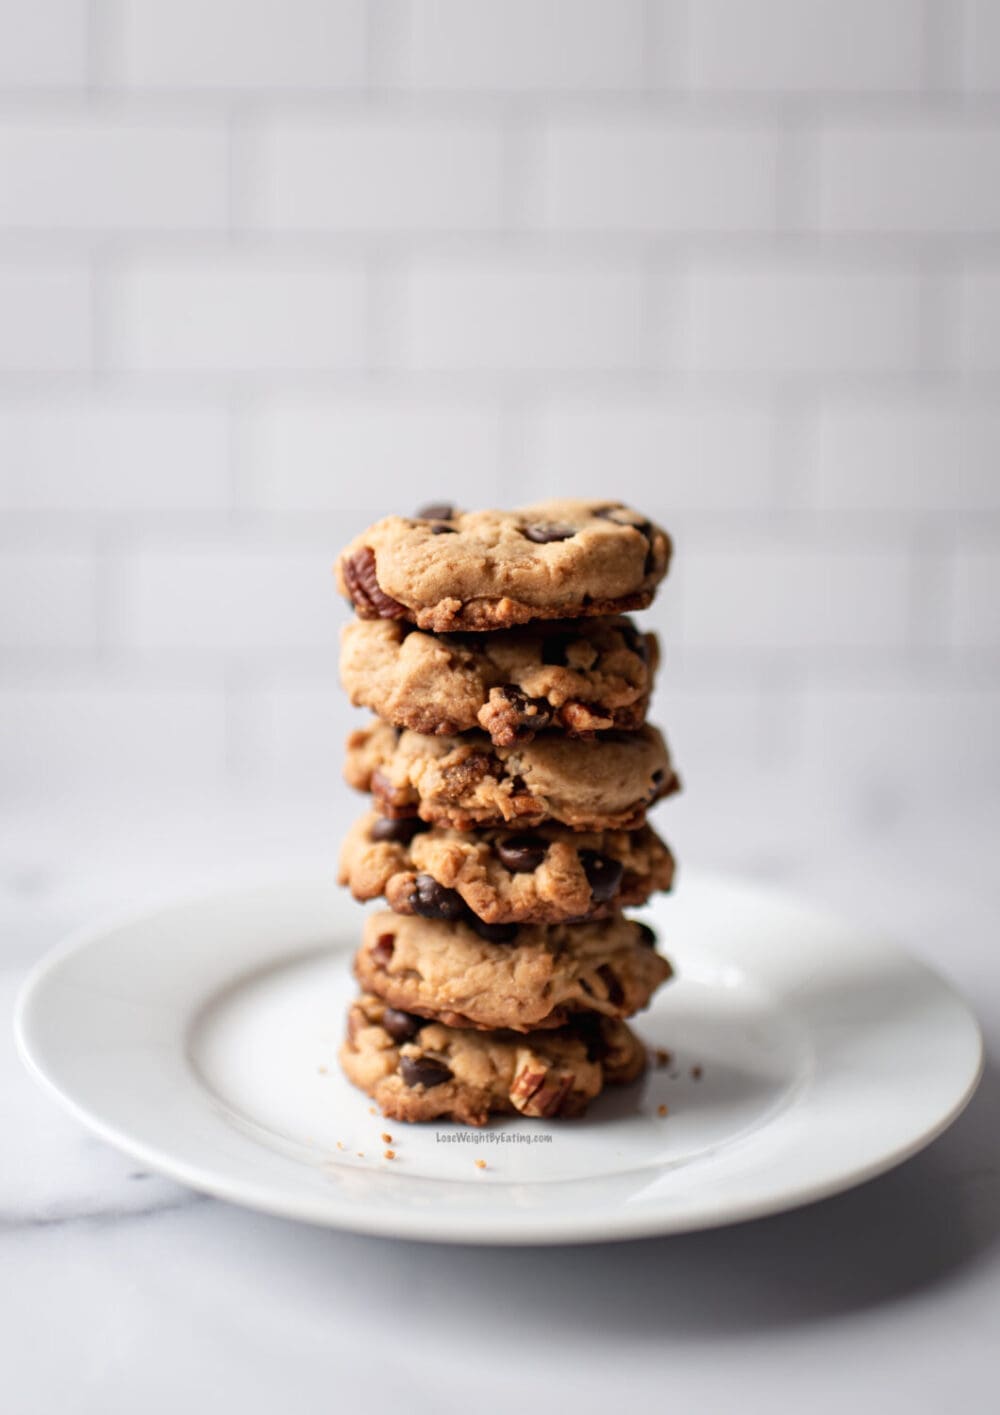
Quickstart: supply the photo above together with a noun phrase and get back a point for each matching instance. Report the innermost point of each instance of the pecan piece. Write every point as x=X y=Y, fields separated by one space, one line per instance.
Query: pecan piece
x=367 y=595
x=537 y=1089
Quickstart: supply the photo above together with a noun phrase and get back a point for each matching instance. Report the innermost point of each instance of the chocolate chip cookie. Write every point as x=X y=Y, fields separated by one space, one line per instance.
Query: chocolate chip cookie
x=419 y=1070
x=548 y=876
x=445 y=569
x=605 y=783
x=576 y=677
x=498 y=975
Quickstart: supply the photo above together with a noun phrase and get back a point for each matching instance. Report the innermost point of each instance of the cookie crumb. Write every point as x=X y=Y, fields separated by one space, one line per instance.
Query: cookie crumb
x=662 y=1056
x=662 y=1110
x=360 y=1154
x=389 y=1155
x=480 y=1164
x=341 y=1145
x=322 y=1070
x=386 y=1138
x=696 y=1073
x=372 y=1110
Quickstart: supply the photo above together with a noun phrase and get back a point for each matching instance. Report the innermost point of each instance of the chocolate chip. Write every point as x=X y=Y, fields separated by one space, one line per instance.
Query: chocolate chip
x=401 y=1026
x=494 y=933
x=441 y=530
x=646 y=935
x=400 y=831
x=521 y=853
x=587 y=1026
x=368 y=596
x=634 y=641
x=423 y=1071
x=436 y=511
x=554 y=647
x=532 y=714
x=543 y=532
x=604 y=875
x=382 y=949
x=432 y=901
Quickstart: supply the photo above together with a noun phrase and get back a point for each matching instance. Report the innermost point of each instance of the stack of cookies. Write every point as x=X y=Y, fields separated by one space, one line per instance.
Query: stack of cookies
x=510 y=772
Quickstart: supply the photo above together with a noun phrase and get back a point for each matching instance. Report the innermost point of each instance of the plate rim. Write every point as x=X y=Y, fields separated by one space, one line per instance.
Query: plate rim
x=471 y=1227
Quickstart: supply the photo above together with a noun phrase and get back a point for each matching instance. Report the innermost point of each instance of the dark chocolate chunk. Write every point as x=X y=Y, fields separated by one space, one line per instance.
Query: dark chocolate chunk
x=401 y=831
x=544 y=532
x=401 y=1026
x=646 y=935
x=533 y=714
x=367 y=595
x=432 y=901
x=493 y=933
x=604 y=875
x=441 y=530
x=423 y=1071
x=521 y=853
x=436 y=511
x=634 y=641
x=554 y=648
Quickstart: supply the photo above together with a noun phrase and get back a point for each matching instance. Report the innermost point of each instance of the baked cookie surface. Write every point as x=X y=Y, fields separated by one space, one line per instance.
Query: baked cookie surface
x=546 y=876
x=602 y=783
x=536 y=977
x=577 y=677
x=446 y=569
x=419 y=1070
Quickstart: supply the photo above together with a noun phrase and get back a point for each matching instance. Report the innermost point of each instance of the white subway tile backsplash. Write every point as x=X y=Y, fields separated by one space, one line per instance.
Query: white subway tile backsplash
x=237 y=313
x=395 y=173
x=107 y=733
x=979 y=320
x=900 y=739
x=975 y=596
x=527 y=315
x=908 y=454
x=43 y=44
x=270 y=269
x=91 y=174
x=47 y=598
x=46 y=319
x=926 y=174
x=981 y=43
x=797 y=316
x=384 y=452
x=825 y=46
x=520 y=45
x=793 y=594
x=641 y=174
x=684 y=454
x=238 y=44
x=234 y=596
x=102 y=453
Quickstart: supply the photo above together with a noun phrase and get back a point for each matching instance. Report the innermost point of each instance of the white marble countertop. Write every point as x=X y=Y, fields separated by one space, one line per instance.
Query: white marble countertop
x=123 y=1292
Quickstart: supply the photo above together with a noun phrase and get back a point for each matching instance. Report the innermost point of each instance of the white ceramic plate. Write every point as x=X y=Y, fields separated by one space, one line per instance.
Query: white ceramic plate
x=202 y=1040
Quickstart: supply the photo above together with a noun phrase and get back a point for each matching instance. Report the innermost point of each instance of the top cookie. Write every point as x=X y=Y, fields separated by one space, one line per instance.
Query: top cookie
x=447 y=570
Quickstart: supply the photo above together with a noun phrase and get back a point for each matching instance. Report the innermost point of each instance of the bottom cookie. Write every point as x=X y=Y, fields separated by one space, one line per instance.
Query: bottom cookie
x=417 y=1069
